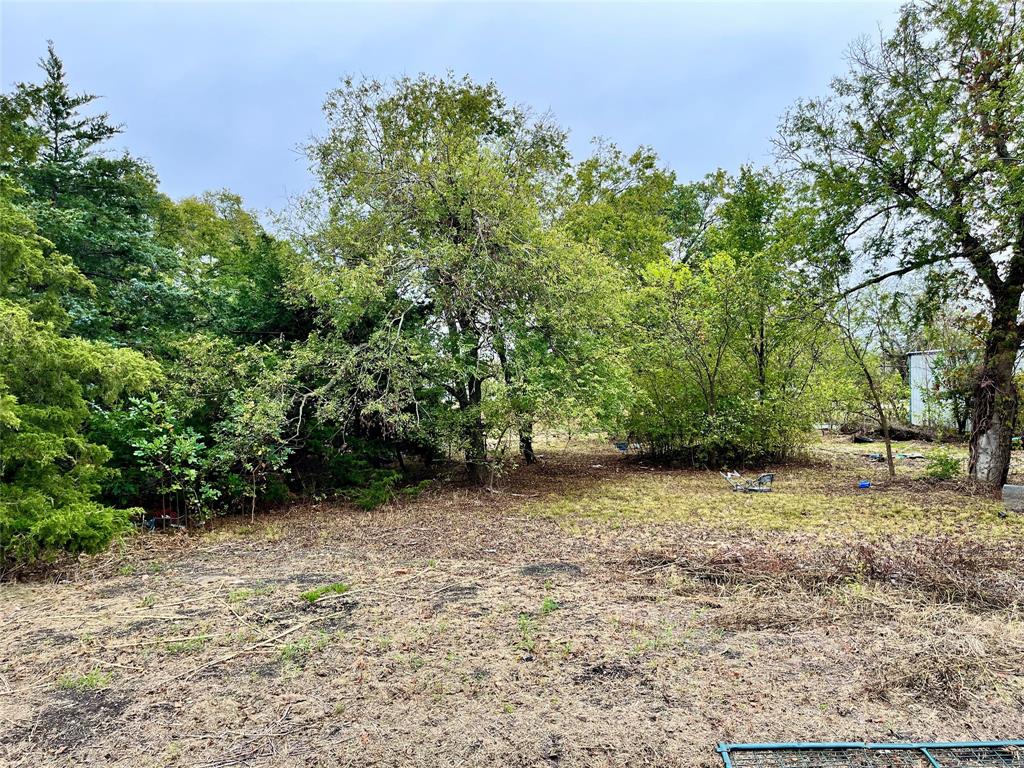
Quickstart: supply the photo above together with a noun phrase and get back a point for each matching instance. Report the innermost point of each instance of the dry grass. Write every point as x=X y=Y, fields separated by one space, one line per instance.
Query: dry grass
x=590 y=612
x=980 y=573
x=944 y=657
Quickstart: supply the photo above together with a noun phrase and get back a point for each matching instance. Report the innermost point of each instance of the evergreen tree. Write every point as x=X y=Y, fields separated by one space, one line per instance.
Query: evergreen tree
x=50 y=472
x=96 y=208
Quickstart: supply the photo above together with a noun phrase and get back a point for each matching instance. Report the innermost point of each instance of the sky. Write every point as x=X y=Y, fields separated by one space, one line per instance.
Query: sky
x=221 y=95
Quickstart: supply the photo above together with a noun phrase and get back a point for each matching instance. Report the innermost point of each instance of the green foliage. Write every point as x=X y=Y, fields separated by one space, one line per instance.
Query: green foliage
x=95 y=208
x=957 y=337
x=878 y=393
x=455 y=281
x=189 y=645
x=328 y=589
x=50 y=473
x=168 y=459
x=726 y=342
x=550 y=605
x=382 y=487
x=298 y=652
x=912 y=159
x=455 y=293
x=90 y=681
x=623 y=205
x=220 y=433
x=942 y=465
x=527 y=625
x=231 y=269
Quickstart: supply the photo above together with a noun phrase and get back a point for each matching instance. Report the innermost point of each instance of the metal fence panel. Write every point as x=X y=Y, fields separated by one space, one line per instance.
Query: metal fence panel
x=979 y=754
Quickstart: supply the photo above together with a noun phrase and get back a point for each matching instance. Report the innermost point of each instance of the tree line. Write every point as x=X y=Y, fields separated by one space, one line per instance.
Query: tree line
x=455 y=281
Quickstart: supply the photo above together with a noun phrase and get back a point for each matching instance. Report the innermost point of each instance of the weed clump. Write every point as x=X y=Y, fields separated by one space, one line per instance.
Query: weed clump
x=336 y=588
x=90 y=681
x=298 y=651
x=188 y=645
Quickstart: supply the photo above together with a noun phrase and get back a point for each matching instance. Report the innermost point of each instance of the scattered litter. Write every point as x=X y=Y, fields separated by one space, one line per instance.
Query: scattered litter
x=864 y=484
x=881 y=456
x=761 y=484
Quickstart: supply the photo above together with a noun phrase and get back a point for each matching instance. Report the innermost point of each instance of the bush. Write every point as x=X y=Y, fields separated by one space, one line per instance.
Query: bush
x=33 y=527
x=942 y=465
x=159 y=458
x=384 y=486
x=217 y=436
x=744 y=431
x=50 y=472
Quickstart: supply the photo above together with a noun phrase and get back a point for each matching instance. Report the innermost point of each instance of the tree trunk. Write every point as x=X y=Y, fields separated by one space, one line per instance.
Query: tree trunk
x=476 y=453
x=526 y=444
x=476 y=434
x=995 y=400
x=887 y=436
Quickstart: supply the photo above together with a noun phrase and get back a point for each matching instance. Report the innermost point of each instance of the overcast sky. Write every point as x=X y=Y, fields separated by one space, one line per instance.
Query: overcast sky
x=220 y=94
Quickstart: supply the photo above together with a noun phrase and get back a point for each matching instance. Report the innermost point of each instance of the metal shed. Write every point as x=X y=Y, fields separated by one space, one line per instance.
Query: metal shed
x=924 y=411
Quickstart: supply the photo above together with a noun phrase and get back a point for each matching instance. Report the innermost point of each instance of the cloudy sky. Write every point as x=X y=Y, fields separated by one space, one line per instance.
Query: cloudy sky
x=220 y=94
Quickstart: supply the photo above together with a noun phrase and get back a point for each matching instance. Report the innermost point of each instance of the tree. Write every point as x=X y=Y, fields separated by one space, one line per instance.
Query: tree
x=859 y=331
x=232 y=270
x=726 y=340
x=50 y=472
x=68 y=136
x=915 y=159
x=767 y=230
x=435 y=259
x=959 y=338
x=621 y=204
x=97 y=209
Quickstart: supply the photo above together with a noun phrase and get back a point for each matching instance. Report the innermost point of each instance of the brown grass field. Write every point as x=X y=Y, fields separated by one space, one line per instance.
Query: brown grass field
x=591 y=611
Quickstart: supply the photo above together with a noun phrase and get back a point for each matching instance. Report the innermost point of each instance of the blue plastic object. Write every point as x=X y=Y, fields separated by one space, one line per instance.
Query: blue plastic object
x=950 y=754
x=865 y=484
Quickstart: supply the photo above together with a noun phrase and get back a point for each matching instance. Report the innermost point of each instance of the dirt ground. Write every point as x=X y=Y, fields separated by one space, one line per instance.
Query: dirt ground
x=592 y=611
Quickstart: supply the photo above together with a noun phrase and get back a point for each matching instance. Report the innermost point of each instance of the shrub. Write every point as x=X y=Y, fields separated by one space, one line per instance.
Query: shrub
x=942 y=465
x=383 y=487
x=159 y=457
x=34 y=527
x=361 y=473
x=744 y=431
